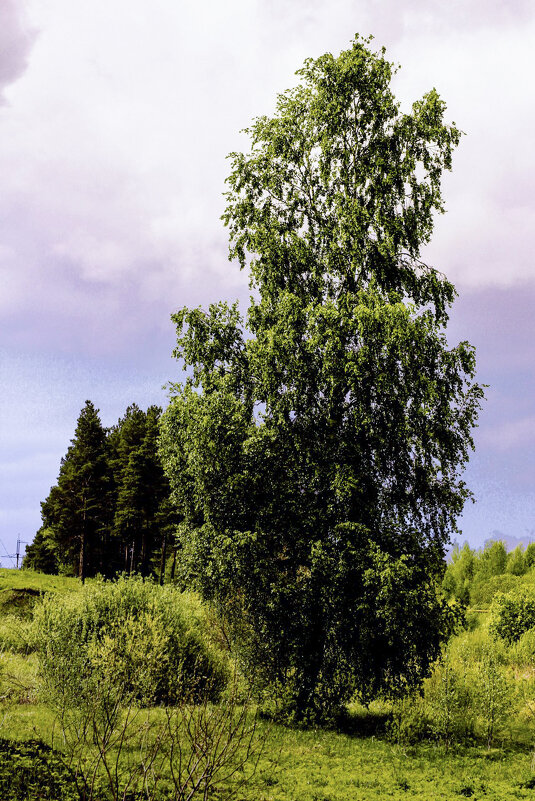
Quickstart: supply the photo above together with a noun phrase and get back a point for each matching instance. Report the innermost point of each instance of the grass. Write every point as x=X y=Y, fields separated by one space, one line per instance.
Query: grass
x=360 y=764
x=329 y=766
x=28 y=580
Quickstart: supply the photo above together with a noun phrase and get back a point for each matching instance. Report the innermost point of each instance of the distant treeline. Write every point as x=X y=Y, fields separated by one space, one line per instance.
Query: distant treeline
x=110 y=510
x=474 y=577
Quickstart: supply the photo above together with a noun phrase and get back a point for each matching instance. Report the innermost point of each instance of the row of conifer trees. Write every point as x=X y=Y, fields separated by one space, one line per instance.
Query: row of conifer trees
x=109 y=511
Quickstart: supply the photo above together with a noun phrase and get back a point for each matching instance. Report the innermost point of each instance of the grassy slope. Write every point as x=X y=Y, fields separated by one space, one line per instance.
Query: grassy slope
x=29 y=579
x=297 y=765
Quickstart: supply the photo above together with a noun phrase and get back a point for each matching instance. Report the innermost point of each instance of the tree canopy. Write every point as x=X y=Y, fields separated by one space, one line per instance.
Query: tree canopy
x=316 y=446
x=110 y=509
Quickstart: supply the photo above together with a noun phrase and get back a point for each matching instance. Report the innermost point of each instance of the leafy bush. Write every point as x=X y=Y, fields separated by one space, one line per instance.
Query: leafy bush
x=524 y=650
x=410 y=721
x=16 y=635
x=512 y=614
x=484 y=588
x=133 y=637
x=449 y=701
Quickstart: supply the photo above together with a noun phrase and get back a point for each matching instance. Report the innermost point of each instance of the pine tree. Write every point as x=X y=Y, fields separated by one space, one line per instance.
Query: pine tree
x=110 y=510
x=141 y=512
x=77 y=510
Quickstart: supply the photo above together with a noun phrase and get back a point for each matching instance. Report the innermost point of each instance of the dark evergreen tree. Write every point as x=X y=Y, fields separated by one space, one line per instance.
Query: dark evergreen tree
x=110 y=510
x=77 y=510
x=141 y=515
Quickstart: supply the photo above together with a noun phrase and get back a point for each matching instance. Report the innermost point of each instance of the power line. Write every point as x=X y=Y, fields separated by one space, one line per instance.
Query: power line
x=9 y=556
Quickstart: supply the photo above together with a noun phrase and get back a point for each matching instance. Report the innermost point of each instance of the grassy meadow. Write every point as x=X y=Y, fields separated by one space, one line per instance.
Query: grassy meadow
x=469 y=733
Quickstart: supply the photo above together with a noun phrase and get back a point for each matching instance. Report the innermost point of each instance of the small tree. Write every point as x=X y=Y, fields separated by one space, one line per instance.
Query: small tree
x=516 y=561
x=494 y=692
x=460 y=573
x=529 y=556
x=449 y=701
x=492 y=560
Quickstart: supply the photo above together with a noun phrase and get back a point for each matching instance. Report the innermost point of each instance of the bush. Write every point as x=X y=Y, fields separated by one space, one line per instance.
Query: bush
x=449 y=701
x=131 y=636
x=512 y=614
x=524 y=650
x=16 y=635
x=484 y=588
x=410 y=721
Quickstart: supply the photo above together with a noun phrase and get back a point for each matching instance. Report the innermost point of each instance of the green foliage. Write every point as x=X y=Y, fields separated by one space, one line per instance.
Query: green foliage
x=42 y=553
x=315 y=449
x=132 y=636
x=492 y=560
x=448 y=700
x=524 y=649
x=31 y=771
x=529 y=556
x=141 y=515
x=516 y=562
x=76 y=512
x=460 y=573
x=471 y=693
x=110 y=510
x=475 y=577
x=494 y=691
x=512 y=614
x=19 y=592
x=16 y=635
x=483 y=590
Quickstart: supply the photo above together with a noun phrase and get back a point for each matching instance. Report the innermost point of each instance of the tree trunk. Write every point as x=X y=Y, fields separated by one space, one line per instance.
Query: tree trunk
x=81 y=569
x=162 y=558
x=173 y=565
x=132 y=549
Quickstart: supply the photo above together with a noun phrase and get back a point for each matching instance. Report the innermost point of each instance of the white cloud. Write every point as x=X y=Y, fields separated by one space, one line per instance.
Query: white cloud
x=112 y=148
x=115 y=120
x=16 y=37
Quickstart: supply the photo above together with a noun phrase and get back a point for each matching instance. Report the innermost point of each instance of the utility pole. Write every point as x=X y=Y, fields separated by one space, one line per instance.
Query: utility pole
x=19 y=543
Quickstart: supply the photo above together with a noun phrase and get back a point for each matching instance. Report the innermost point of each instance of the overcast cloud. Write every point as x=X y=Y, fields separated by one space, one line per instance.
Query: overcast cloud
x=115 y=121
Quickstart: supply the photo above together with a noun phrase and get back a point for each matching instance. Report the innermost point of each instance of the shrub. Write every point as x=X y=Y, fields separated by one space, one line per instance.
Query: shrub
x=410 y=722
x=524 y=649
x=484 y=588
x=150 y=639
x=448 y=700
x=495 y=693
x=16 y=635
x=512 y=614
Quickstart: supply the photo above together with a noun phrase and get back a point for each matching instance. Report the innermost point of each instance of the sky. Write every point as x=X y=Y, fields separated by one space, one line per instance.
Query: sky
x=115 y=122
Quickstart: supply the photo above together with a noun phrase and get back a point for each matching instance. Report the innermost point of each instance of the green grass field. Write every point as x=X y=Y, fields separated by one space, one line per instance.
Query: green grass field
x=295 y=765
